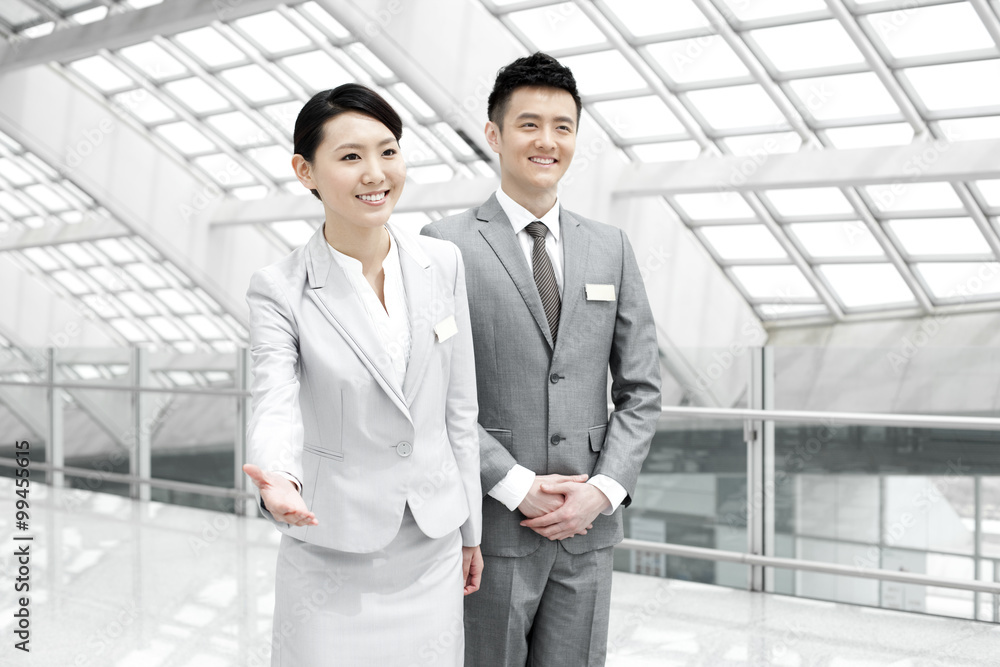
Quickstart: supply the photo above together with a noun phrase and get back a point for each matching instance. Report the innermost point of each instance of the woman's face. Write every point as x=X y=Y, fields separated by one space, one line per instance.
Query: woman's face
x=357 y=169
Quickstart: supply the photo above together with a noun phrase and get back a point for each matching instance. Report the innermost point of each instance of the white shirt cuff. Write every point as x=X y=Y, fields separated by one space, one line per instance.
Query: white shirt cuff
x=512 y=489
x=291 y=478
x=613 y=490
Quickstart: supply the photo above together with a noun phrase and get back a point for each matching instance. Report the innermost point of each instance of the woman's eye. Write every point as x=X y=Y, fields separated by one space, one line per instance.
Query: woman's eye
x=351 y=156
x=389 y=152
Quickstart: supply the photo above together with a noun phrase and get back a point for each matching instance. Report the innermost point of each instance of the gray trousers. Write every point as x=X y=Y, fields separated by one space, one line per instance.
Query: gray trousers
x=547 y=609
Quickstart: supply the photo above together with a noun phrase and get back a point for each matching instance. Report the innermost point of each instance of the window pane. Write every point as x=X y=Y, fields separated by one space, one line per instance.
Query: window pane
x=808 y=201
x=990 y=191
x=917 y=31
x=144 y=105
x=210 y=47
x=940 y=236
x=13 y=173
x=557 y=27
x=320 y=17
x=807 y=45
x=254 y=83
x=773 y=282
x=736 y=107
x=914 y=196
x=604 y=72
x=275 y=160
x=758 y=9
x=866 y=136
x=185 y=138
x=764 y=144
x=273 y=32
x=836 y=239
x=702 y=59
x=653 y=17
x=238 y=128
x=743 y=242
x=961 y=279
x=153 y=61
x=639 y=117
x=844 y=96
x=859 y=285
x=712 y=206
x=669 y=151
x=967 y=129
x=197 y=95
x=957 y=85
x=317 y=70
x=101 y=73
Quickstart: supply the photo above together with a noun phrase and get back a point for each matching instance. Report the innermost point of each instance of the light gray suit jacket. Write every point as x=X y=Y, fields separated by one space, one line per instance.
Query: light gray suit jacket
x=545 y=407
x=328 y=409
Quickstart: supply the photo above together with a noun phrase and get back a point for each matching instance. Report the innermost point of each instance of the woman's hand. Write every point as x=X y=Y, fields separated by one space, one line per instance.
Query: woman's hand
x=472 y=568
x=280 y=497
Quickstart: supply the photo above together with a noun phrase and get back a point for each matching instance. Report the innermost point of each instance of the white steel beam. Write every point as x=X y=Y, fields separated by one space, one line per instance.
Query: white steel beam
x=918 y=162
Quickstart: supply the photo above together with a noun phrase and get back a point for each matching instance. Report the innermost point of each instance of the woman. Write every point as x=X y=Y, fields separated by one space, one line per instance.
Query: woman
x=363 y=441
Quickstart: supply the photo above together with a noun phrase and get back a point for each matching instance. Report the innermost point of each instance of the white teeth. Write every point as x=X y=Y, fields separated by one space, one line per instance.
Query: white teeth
x=375 y=197
x=541 y=160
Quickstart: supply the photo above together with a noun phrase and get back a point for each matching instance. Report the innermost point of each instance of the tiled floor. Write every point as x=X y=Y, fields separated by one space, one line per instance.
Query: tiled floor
x=122 y=584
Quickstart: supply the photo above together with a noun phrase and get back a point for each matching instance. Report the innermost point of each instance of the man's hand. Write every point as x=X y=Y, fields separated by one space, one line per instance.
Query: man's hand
x=583 y=502
x=472 y=568
x=280 y=497
x=537 y=503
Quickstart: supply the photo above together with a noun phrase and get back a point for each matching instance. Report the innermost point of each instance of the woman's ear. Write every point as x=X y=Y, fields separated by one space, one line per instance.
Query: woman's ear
x=303 y=171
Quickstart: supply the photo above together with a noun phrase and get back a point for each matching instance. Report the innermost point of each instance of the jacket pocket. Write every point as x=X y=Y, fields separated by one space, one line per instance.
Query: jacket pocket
x=503 y=436
x=596 y=435
x=325 y=453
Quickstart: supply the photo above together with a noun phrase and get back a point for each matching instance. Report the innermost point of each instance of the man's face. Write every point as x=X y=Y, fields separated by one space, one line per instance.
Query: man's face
x=537 y=141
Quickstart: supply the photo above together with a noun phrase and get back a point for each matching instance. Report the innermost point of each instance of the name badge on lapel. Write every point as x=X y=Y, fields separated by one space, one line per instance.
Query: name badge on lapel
x=446 y=328
x=600 y=292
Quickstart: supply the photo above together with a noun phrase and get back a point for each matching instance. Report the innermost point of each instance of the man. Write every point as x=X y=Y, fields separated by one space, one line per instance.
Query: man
x=556 y=300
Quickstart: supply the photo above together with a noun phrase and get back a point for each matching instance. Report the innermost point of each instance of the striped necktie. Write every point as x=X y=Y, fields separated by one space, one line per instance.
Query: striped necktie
x=545 y=276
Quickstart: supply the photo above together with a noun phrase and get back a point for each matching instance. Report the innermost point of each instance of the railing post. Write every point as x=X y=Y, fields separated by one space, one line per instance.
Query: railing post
x=241 y=506
x=140 y=458
x=56 y=400
x=759 y=436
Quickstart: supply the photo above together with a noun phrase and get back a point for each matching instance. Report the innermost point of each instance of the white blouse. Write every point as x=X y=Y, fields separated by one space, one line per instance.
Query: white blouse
x=392 y=323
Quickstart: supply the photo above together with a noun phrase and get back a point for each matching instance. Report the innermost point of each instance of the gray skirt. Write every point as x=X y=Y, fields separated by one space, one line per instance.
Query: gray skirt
x=398 y=607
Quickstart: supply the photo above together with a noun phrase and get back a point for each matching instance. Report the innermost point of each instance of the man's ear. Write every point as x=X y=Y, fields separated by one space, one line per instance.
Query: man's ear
x=492 y=132
x=303 y=171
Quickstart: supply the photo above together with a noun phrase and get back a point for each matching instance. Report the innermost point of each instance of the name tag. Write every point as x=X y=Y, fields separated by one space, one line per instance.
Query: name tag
x=445 y=329
x=600 y=292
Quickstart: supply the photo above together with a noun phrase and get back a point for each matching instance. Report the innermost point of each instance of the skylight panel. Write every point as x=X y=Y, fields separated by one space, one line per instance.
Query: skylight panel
x=771 y=143
x=14 y=206
x=185 y=138
x=867 y=136
x=273 y=32
x=561 y=26
x=604 y=72
x=13 y=173
x=844 y=96
x=276 y=161
x=654 y=17
x=39 y=30
x=940 y=236
x=197 y=95
x=317 y=70
x=773 y=282
x=775 y=310
x=42 y=258
x=861 y=285
x=919 y=31
x=957 y=85
x=142 y=4
x=146 y=107
x=967 y=129
x=47 y=197
x=101 y=73
x=77 y=254
x=370 y=60
x=107 y=278
x=129 y=330
x=238 y=128
x=178 y=302
x=746 y=10
x=255 y=191
x=836 y=239
x=990 y=190
x=146 y=276
x=415 y=102
x=210 y=47
x=705 y=58
x=136 y=303
x=961 y=280
x=736 y=107
x=104 y=307
x=71 y=281
x=115 y=250
x=743 y=242
x=914 y=197
x=224 y=170
x=809 y=201
x=807 y=45
x=283 y=115
x=437 y=173
x=322 y=18
x=91 y=15
x=457 y=144
x=714 y=206
x=153 y=61
x=166 y=329
x=639 y=117
x=254 y=83
x=204 y=327
x=668 y=151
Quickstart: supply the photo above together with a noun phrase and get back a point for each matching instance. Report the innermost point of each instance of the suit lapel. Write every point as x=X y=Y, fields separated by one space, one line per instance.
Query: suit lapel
x=500 y=235
x=418 y=281
x=576 y=246
x=330 y=287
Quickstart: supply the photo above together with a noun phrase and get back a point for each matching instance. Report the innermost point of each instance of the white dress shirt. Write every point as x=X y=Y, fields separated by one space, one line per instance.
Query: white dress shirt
x=513 y=488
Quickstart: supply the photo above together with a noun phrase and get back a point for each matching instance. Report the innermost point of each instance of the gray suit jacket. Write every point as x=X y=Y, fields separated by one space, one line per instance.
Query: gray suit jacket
x=546 y=408
x=328 y=409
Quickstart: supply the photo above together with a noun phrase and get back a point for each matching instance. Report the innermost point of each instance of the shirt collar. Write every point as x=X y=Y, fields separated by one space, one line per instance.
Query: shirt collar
x=390 y=264
x=521 y=217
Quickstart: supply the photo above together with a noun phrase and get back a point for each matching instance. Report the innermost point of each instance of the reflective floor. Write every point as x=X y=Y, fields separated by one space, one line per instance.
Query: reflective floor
x=120 y=584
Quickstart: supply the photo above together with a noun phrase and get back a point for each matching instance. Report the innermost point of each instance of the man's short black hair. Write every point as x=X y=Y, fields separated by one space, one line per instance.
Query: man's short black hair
x=538 y=70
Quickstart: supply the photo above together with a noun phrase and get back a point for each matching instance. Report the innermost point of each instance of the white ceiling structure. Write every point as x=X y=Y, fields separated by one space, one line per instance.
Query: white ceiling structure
x=836 y=160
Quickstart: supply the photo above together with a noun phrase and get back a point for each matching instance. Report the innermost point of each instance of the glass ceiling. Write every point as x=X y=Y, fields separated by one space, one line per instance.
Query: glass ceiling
x=664 y=79
x=674 y=79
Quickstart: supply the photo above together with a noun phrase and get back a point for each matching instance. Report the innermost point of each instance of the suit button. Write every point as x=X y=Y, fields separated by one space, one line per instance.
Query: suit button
x=404 y=449
x=554 y=378
x=556 y=439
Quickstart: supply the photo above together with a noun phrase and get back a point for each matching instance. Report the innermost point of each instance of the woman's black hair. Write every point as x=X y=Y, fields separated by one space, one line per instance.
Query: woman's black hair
x=537 y=70
x=328 y=104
